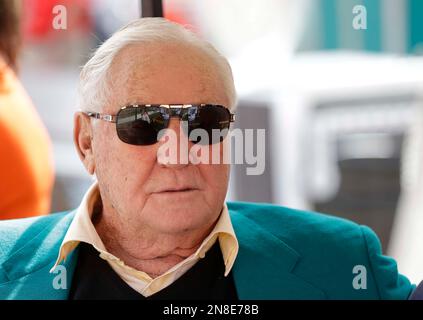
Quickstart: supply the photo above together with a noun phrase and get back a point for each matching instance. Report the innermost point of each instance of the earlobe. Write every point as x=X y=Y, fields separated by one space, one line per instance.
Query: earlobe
x=82 y=137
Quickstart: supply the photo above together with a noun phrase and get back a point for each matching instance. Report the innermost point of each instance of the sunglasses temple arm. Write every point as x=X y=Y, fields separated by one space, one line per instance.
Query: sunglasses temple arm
x=100 y=116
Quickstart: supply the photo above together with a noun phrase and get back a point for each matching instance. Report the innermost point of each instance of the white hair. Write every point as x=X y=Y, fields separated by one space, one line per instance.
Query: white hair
x=93 y=84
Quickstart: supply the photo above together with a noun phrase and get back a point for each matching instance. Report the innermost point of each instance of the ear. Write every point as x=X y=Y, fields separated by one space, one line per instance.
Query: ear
x=82 y=138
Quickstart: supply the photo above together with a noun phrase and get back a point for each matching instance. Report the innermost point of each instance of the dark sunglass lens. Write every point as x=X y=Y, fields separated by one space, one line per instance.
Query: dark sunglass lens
x=141 y=125
x=214 y=121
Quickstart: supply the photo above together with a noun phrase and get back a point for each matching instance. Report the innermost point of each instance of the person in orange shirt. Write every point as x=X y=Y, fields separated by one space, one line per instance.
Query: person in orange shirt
x=26 y=164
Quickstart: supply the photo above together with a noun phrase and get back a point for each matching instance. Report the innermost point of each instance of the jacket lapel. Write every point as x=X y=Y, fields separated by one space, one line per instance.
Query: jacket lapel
x=264 y=266
x=28 y=266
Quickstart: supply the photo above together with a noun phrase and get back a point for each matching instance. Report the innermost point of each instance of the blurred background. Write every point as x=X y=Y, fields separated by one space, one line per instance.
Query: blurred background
x=341 y=100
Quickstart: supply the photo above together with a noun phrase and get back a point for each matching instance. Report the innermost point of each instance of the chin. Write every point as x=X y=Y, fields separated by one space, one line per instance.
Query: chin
x=180 y=218
x=176 y=215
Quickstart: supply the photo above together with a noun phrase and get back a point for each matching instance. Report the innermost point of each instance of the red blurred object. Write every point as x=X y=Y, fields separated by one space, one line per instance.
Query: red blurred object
x=37 y=22
x=178 y=13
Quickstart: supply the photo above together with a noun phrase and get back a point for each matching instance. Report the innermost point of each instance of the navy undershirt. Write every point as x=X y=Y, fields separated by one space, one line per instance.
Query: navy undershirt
x=95 y=279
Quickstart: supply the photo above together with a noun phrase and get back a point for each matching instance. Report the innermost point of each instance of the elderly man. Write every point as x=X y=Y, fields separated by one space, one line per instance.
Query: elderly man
x=151 y=228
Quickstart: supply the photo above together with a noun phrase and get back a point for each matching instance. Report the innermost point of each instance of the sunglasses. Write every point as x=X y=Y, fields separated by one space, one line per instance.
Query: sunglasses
x=141 y=124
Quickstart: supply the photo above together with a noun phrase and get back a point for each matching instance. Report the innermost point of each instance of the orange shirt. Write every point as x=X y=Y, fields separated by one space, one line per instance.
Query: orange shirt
x=26 y=163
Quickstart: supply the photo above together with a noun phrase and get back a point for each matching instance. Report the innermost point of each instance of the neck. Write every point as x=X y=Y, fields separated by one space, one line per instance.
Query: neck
x=147 y=250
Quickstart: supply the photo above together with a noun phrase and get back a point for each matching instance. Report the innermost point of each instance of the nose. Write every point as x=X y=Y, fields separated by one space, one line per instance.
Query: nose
x=173 y=151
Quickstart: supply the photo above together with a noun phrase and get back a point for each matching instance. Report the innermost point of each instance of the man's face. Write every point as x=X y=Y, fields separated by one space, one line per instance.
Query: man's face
x=133 y=180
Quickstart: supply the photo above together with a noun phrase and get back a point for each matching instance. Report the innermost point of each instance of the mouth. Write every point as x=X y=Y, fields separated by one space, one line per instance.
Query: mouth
x=179 y=190
x=176 y=190
x=177 y=195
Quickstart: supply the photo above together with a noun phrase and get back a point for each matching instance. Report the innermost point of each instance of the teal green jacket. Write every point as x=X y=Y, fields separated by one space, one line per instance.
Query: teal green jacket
x=283 y=254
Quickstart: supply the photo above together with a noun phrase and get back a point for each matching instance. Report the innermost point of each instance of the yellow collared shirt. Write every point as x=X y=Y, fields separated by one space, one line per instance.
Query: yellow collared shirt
x=83 y=230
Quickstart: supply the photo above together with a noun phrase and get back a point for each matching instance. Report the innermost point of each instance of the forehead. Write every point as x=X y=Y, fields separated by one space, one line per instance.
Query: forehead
x=164 y=73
